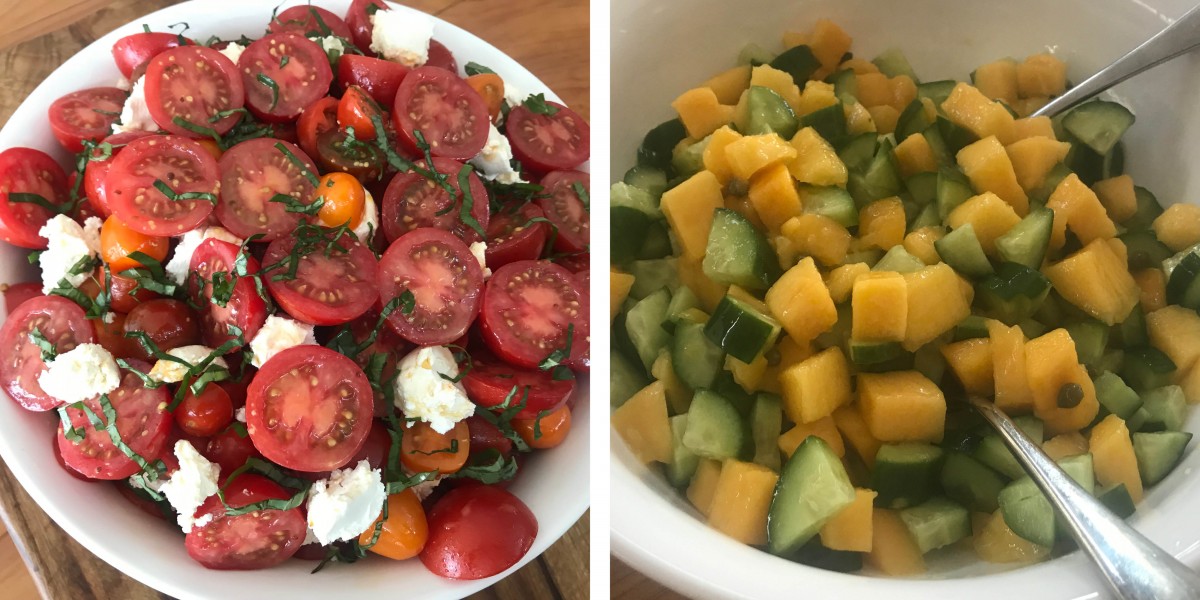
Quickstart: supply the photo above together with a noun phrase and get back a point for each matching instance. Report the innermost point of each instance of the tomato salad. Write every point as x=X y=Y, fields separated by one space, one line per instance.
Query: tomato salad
x=314 y=294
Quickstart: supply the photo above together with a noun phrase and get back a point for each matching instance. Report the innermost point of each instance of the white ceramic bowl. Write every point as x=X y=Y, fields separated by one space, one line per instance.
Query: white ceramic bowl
x=554 y=484
x=685 y=42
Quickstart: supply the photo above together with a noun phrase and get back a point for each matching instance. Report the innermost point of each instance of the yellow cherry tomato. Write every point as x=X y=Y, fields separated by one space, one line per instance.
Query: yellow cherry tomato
x=344 y=200
x=553 y=428
x=405 y=530
x=118 y=241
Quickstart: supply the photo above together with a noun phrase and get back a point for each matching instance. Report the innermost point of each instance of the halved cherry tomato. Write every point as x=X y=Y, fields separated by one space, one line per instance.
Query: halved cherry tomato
x=514 y=234
x=118 y=241
x=337 y=152
x=133 y=51
x=485 y=436
x=413 y=201
x=528 y=307
x=356 y=109
x=477 y=531
x=123 y=298
x=309 y=19
x=490 y=384
x=229 y=449
x=379 y=78
x=490 y=87
x=344 y=199
x=60 y=321
x=358 y=18
x=444 y=279
x=548 y=142
x=212 y=147
x=96 y=171
x=111 y=334
x=15 y=294
x=65 y=467
x=193 y=84
x=451 y=117
x=309 y=408
x=282 y=74
x=169 y=323
x=85 y=115
x=253 y=174
x=545 y=431
x=404 y=531
x=331 y=285
x=179 y=164
x=142 y=421
x=317 y=118
x=423 y=449
x=565 y=208
x=441 y=57
x=244 y=308
x=255 y=540
x=28 y=171
x=206 y=413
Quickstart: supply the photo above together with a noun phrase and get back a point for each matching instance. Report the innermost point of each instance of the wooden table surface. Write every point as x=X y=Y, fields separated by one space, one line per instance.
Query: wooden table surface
x=549 y=37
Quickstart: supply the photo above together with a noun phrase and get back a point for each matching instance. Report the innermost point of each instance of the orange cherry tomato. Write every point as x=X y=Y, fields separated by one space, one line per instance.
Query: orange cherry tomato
x=212 y=148
x=344 y=200
x=111 y=335
x=355 y=109
x=118 y=241
x=405 y=530
x=423 y=449
x=490 y=87
x=554 y=428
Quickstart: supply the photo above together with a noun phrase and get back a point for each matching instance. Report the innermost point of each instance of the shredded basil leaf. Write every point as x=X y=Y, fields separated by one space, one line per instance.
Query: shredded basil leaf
x=325 y=30
x=537 y=104
x=295 y=160
x=468 y=202
x=49 y=352
x=583 y=195
x=556 y=358
x=109 y=426
x=226 y=113
x=489 y=466
x=295 y=205
x=270 y=83
x=200 y=129
x=343 y=341
x=38 y=199
x=474 y=68
x=171 y=195
x=283 y=61
x=150 y=275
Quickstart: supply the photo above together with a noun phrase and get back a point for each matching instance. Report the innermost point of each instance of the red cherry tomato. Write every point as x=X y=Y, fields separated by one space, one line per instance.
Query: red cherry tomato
x=490 y=385
x=189 y=86
x=111 y=335
x=476 y=532
x=283 y=73
x=564 y=207
x=62 y=463
x=252 y=174
x=244 y=308
x=548 y=142
x=123 y=299
x=229 y=449
x=17 y=293
x=413 y=201
x=359 y=20
x=330 y=287
x=142 y=421
x=441 y=57
x=96 y=172
x=133 y=51
x=309 y=409
x=317 y=118
x=62 y=322
x=485 y=436
x=380 y=78
x=182 y=165
x=514 y=234
x=309 y=19
x=358 y=109
x=85 y=115
x=528 y=308
x=255 y=540
x=444 y=279
x=167 y=322
x=206 y=413
x=33 y=172
x=451 y=117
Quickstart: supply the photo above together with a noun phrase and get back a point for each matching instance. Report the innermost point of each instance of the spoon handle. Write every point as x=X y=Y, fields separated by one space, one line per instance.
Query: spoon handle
x=1134 y=567
x=1177 y=38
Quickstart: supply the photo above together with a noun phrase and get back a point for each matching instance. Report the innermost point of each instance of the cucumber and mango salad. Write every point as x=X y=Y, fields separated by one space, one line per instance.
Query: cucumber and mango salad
x=822 y=255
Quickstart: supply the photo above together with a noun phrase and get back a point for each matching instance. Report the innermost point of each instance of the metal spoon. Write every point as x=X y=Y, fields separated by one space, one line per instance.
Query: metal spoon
x=1177 y=38
x=1135 y=568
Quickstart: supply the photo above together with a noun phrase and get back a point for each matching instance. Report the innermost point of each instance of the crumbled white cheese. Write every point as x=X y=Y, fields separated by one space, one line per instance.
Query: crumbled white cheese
x=401 y=37
x=191 y=484
x=332 y=45
x=422 y=393
x=169 y=371
x=123 y=84
x=240 y=415
x=86 y=371
x=513 y=95
x=479 y=251
x=346 y=504
x=368 y=224
x=233 y=51
x=177 y=268
x=135 y=115
x=310 y=538
x=494 y=161
x=278 y=334
x=68 y=242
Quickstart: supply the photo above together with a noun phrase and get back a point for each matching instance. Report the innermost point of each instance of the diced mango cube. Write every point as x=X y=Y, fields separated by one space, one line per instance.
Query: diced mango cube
x=701 y=112
x=1033 y=158
x=1179 y=226
x=1051 y=363
x=729 y=85
x=841 y=280
x=774 y=197
x=968 y=107
x=704 y=485
x=880 y=308
x=1076 y=207
x=988 y=167
x=823 y=428
x=816 y=95
x=996 y=543
x=971 y=361
x=619 y=286
x=753 y=153
x=914 y=155
x=691 y=274
x=1033 y=127
x=1153 y=285
x=715 y=160
x=885 y=117
x=893 y=550
x=850 y=529
x=1013 y=394
x=742 y=500
x=819 y=237
x=689 y=209
x=1064 y=445
x=1096 y=280
x=815 y=161
x=920 y=243
x=873 y=89
x=1175 y=330
x=902 y=406
x=816 y=387
x=998 y=80
x=881 y=223
x=937 y=301
x=990 y=216
x=1117 y=196
x=1112 y=456
x=829 y=43
x=1041 y=75
x=801 y=303
x=642 y=422
x=904 y=91
x=850 y=423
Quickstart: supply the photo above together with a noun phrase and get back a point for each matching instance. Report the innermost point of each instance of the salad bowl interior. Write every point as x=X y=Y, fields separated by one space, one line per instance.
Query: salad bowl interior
x=553 y=484
x=655 y=529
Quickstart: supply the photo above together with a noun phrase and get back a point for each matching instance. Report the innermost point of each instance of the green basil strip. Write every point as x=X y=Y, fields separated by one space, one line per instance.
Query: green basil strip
x=109 y=426
x=49 y=352
x=38 y=199
x=273 y=504
x=295 y=160
x=583 y=195
x=488 y=467
x=474 y=68
x=295 y=205
x=468 y=202
x=537 y=103
x=200 y=129
x=171 y=195
x=557 y=357
x=270 y=83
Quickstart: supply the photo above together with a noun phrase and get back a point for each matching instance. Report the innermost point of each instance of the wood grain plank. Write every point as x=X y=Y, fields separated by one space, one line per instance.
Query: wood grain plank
x=550 y=37
x=628 y=584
